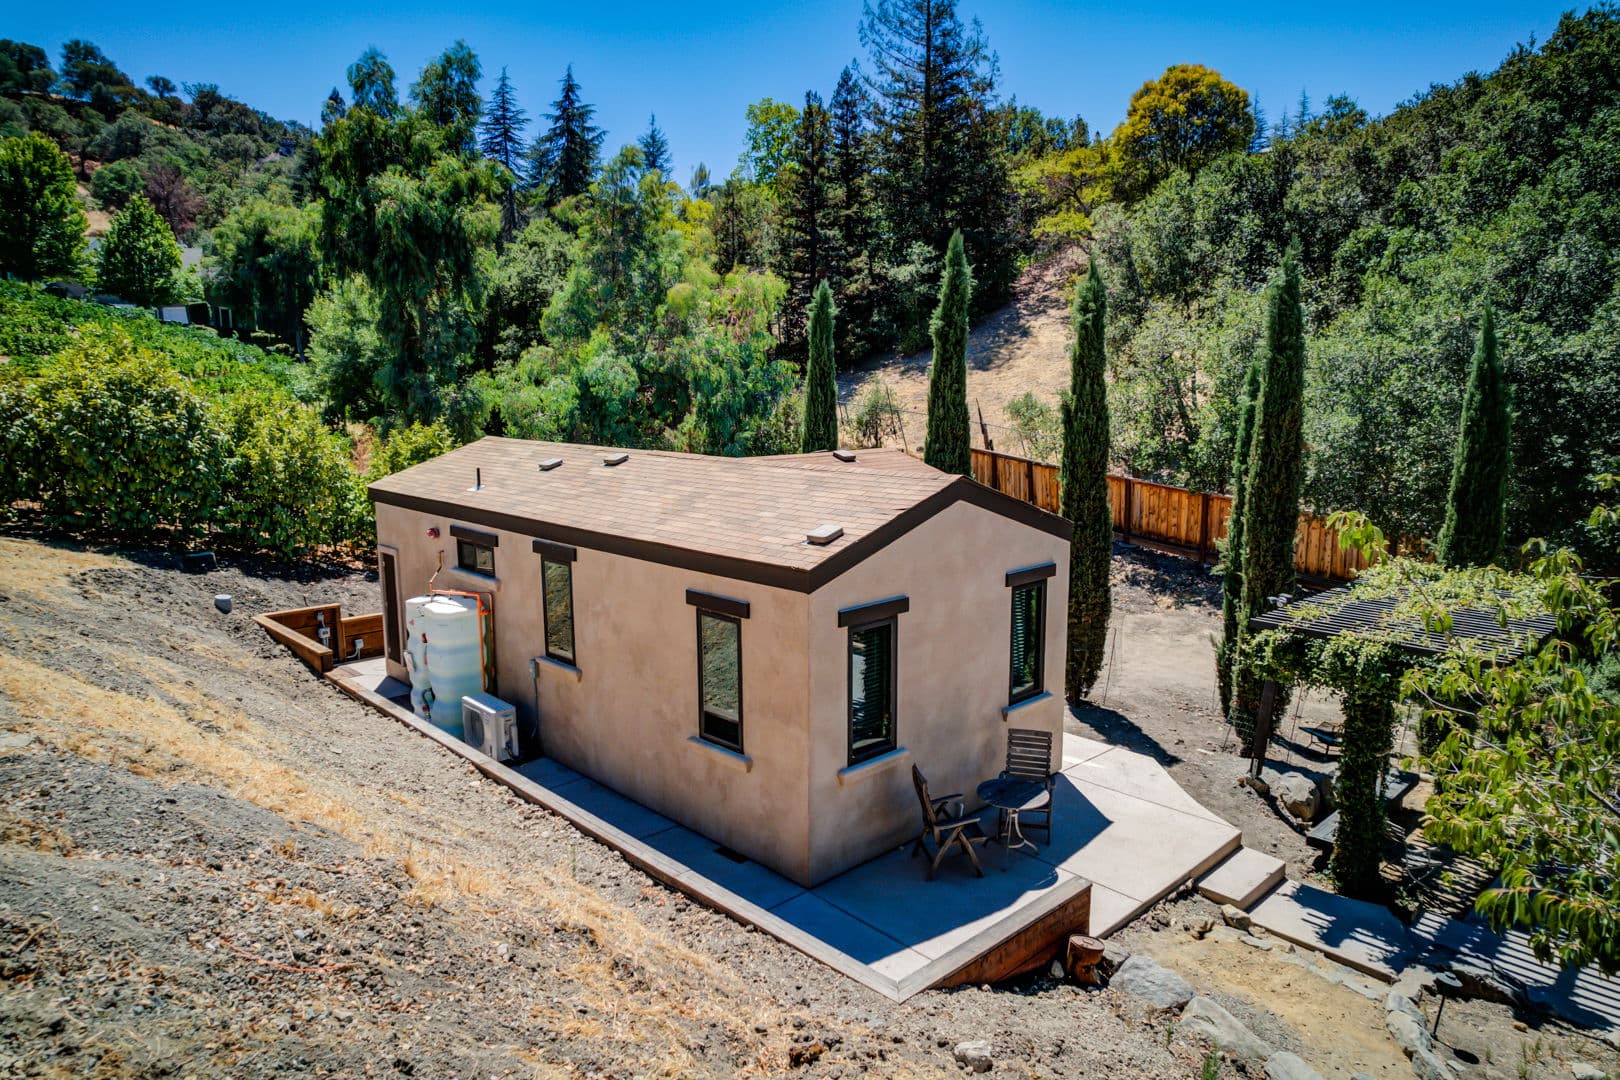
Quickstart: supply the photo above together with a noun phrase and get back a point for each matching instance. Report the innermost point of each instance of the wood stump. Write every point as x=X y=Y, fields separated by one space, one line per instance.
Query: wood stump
x=1084 y=954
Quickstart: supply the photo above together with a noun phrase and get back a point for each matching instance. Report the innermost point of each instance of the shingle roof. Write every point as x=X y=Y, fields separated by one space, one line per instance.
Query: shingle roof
x=742 y=517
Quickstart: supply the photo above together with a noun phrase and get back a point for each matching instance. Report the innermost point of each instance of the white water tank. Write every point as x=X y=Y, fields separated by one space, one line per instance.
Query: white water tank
x=444 y=657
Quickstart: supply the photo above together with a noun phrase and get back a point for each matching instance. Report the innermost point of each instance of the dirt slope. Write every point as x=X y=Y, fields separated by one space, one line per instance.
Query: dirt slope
x=1022 y=347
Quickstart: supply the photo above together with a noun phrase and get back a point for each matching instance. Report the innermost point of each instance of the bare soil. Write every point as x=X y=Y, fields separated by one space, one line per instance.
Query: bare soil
x=1021 y=348
x=212 y=863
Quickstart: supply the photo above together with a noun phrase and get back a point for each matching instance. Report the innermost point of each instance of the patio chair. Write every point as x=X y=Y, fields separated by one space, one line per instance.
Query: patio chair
x=944 y=828
x=1029 y=757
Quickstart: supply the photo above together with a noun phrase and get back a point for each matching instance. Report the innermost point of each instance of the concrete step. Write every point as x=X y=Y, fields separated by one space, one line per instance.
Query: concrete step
x=1243 y=878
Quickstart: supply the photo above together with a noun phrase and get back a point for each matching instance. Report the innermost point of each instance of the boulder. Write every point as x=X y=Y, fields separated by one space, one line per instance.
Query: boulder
x=1409 y=1034
x=975 y=1055
x=1298 y=794
x=1205 y=1018
x=1399 y=1002
x=1582 y=1071
x=1486 y=982
x=1285 y=1066
x=1151 y=982
x=1426 y=1065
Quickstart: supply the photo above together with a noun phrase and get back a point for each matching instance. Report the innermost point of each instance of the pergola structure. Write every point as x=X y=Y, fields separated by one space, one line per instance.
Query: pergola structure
x=1360 y=639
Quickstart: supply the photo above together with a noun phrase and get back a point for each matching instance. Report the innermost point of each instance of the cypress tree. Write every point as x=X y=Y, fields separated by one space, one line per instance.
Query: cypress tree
x=948 y=446
x=1475 y=509
x=820 y=428
x=1276 y=468
x=1232 y=553
x=1085 y=488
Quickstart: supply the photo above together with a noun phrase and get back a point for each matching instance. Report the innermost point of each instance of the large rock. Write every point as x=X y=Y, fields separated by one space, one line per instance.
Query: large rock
x=1285 y=1066
x=1408 y=1032
x=1205 y=1018
x=1298 y=794
x=1426 y=1065
x=975 y=1055
x=1236 y=917
x=1582 y=1071
x=1149 y=981
x=1396 y=1001
x=1486 y=982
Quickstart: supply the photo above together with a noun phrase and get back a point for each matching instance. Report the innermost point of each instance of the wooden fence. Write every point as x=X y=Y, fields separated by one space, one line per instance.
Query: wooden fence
x=1184 y=522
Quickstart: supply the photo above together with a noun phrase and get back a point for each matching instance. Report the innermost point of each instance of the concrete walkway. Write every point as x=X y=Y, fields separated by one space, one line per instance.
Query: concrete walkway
x=1120 y=823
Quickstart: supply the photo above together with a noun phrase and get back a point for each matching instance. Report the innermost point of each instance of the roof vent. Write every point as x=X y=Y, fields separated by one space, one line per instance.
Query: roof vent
x=550 y=463
x=823 y=534
x=478 y=480
x=844 y=455
x=616 y=459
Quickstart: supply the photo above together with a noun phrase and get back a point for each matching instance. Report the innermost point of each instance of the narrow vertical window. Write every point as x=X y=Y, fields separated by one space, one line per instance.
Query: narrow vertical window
x=871 y=690
x=720 y=718
x=557 y=577
x=1028 y=640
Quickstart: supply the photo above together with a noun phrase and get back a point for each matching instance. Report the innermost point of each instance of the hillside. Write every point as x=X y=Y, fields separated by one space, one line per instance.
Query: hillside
x=1022 y=347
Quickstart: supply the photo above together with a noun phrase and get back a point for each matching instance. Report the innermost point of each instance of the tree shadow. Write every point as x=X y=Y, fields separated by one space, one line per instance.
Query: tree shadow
x=1116 y=729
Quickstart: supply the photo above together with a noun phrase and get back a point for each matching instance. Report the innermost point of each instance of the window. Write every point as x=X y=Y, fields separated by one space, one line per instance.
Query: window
x=720 y=680
x=871 y=690
x=475 y=557
x=557 y=581
x=1028 y=640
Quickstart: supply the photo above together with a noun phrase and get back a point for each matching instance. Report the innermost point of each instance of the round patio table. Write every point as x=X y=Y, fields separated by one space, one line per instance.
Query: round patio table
x=1011 y=797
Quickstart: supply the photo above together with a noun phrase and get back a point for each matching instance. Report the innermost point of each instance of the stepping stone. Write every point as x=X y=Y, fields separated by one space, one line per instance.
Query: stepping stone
x=1243 y=878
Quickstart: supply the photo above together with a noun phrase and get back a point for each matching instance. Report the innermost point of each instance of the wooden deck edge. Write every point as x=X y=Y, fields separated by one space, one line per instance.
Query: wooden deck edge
x=310 y=651
x=643 y=856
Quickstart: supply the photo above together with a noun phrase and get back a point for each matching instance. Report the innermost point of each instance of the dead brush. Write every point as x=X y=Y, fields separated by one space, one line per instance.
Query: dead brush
x=28 y=833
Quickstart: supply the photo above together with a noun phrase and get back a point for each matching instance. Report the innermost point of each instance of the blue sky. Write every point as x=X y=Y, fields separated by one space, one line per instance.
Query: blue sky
x=698 y=65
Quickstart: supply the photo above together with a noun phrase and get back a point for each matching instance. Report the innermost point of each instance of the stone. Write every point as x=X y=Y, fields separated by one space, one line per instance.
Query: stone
x=1057 y=969
x=1285 y=1066
x=1360 y=1076
x=975 y=1055
x=1427 y=1066
x=1115 y=955
x=15 y=740
x=1415 y=981
x=1198 y=925
x=1487 y=983
x=1205 y=1018
x=1582 y=1071
x=1236 y=917
x=1409 y=1034
x=1151 y=982
x=1399 y=1002
x=1298 y=794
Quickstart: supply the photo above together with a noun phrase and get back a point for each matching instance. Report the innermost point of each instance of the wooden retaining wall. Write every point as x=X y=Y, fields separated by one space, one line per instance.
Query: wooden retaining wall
x=299 y=630
x=1184 y=522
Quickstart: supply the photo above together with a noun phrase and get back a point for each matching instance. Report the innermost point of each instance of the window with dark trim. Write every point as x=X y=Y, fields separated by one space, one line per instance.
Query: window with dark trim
x=1028 y=651
x=871 y=689
x=720 y=711
x=475 y=558
x=557 y=585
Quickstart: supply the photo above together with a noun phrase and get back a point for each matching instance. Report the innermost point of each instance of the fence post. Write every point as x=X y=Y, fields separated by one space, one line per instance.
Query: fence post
x=1125 y=526
x=1203 y=527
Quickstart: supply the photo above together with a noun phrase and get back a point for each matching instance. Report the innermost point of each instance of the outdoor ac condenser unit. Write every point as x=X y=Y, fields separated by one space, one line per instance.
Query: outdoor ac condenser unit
x=490 y=724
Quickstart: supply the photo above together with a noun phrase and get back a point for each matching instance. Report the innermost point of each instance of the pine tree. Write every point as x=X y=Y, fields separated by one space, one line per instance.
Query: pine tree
x=333 y=108
x=941 y=166
x=1085 y=488
x=808 y=227
x=564 y=157
x=948 y=446
x=820 y=428
x=1232 y=551
x=446 y=93
x=138 y=258
x=655 y=149
x=1476 y=506
x=1276 y=469
x=852 y=277
x=501 y=140
x=371 y=84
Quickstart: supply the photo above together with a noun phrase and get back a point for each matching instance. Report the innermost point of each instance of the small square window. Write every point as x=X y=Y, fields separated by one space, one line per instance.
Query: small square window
x=475 y=558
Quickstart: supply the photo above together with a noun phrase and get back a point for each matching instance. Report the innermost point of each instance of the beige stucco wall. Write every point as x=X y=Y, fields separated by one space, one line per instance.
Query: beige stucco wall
x=952 y=677
x=627 y=714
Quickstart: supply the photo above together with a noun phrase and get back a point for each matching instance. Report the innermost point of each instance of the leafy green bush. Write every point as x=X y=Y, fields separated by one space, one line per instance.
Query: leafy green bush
x=409 y=446
x=110 y=440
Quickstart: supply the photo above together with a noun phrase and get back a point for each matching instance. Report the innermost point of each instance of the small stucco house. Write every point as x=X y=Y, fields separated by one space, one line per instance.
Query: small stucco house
x=756 y=648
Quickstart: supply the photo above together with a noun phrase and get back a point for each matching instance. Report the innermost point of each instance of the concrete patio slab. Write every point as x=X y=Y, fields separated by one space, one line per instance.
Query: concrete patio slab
x=1367 y=937
x=1243 y=878
x=1138 y=775
x=1123 y=837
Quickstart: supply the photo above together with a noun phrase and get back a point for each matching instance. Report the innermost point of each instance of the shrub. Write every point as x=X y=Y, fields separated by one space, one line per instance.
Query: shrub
x=109 y=439
x=1037 y=426
x=876 y=416
x=409 y=446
